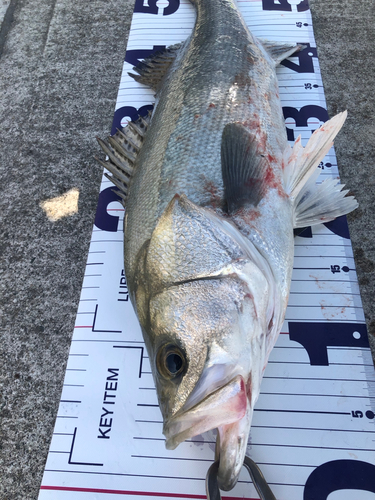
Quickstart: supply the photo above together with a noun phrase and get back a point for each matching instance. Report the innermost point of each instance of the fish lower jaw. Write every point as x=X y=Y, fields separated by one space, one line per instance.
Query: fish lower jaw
x=225 y=406
x=231 y=447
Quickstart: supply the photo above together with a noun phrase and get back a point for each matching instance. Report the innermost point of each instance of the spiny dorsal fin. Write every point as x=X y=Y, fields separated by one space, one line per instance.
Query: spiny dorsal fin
x=122 y=149
x=152 y=70
x=243 y=168
x=280 y=50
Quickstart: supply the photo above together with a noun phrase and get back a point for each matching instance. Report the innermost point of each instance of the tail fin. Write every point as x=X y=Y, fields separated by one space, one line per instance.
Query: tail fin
x=315 y=203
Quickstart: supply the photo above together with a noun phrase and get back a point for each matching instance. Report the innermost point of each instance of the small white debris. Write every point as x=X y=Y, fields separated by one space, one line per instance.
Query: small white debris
x=61 y=206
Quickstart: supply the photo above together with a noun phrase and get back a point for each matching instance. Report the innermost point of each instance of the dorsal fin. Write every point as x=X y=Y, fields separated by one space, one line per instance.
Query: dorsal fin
x=280 y=50
x=122 y=149
x=152 y=70
x=243 y=167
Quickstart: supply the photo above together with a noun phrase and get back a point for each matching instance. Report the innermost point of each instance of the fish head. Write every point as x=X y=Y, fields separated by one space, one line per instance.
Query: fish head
x=203 y=303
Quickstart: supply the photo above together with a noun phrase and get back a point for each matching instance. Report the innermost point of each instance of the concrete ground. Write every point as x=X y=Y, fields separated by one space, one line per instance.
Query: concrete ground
x=60 y=66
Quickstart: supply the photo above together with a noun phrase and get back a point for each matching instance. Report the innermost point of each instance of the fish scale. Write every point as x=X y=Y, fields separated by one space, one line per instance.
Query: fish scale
x=208 y=87
x=208 y=230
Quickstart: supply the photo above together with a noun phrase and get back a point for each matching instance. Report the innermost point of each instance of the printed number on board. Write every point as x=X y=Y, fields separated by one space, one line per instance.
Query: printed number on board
x=134 y=56
x=317 y=337
x=339 y=475
x=128 y=112
x=286 y=5
x=103 y=220
x=338 y=226
x=305 y=60
x=151 y=7
x=302 y=116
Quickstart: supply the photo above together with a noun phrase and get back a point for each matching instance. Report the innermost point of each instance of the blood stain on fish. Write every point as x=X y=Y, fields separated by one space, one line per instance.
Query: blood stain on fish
x=212 y=189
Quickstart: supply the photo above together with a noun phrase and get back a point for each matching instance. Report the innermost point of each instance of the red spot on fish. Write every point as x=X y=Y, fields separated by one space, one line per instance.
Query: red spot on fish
x=242 y=79
x=248 y=215
x=197 y=116
x=271 y=158
x=254 y=126
x=252 y=215
x=212 y=189
x=252 y=182
x=273 y=183
x=239 y=402
x=281 y=192
x=253 y=122
x=270 y=179
x=212 y=105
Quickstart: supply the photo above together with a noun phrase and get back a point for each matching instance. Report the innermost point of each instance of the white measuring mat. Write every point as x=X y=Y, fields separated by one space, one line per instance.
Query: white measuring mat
x=313 y=432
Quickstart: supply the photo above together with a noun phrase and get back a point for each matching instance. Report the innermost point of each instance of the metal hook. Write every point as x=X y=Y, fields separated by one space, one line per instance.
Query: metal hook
x=264 y=491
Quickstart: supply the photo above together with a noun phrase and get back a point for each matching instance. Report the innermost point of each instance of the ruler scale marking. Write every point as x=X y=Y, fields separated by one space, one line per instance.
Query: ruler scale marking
x=304 y=405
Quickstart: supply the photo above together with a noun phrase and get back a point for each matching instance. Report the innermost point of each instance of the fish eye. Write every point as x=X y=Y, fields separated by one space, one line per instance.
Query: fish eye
x=170 y=361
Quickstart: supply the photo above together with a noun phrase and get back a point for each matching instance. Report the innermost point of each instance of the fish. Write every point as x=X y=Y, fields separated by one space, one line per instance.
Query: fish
x=213 y=193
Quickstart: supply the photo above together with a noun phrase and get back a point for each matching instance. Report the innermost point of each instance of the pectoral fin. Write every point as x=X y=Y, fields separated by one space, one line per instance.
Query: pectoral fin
x=243 y=167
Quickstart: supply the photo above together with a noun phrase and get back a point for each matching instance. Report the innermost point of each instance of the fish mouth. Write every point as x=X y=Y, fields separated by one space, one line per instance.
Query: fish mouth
x=227 y=409
x=231 y=447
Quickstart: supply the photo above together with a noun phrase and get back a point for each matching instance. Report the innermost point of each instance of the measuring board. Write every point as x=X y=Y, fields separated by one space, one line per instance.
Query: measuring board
x=313 y=431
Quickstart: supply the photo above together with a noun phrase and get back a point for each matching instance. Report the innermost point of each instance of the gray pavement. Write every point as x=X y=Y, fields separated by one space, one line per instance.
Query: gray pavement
x=60 y=67
x=344 y=32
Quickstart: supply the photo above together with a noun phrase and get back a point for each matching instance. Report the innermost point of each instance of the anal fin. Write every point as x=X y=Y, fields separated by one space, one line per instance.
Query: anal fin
x=243 y=167
x=122 y=149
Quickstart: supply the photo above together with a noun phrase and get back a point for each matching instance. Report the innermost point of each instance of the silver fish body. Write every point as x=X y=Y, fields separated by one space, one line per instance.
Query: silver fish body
x=210 y=211
x=221 y=75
